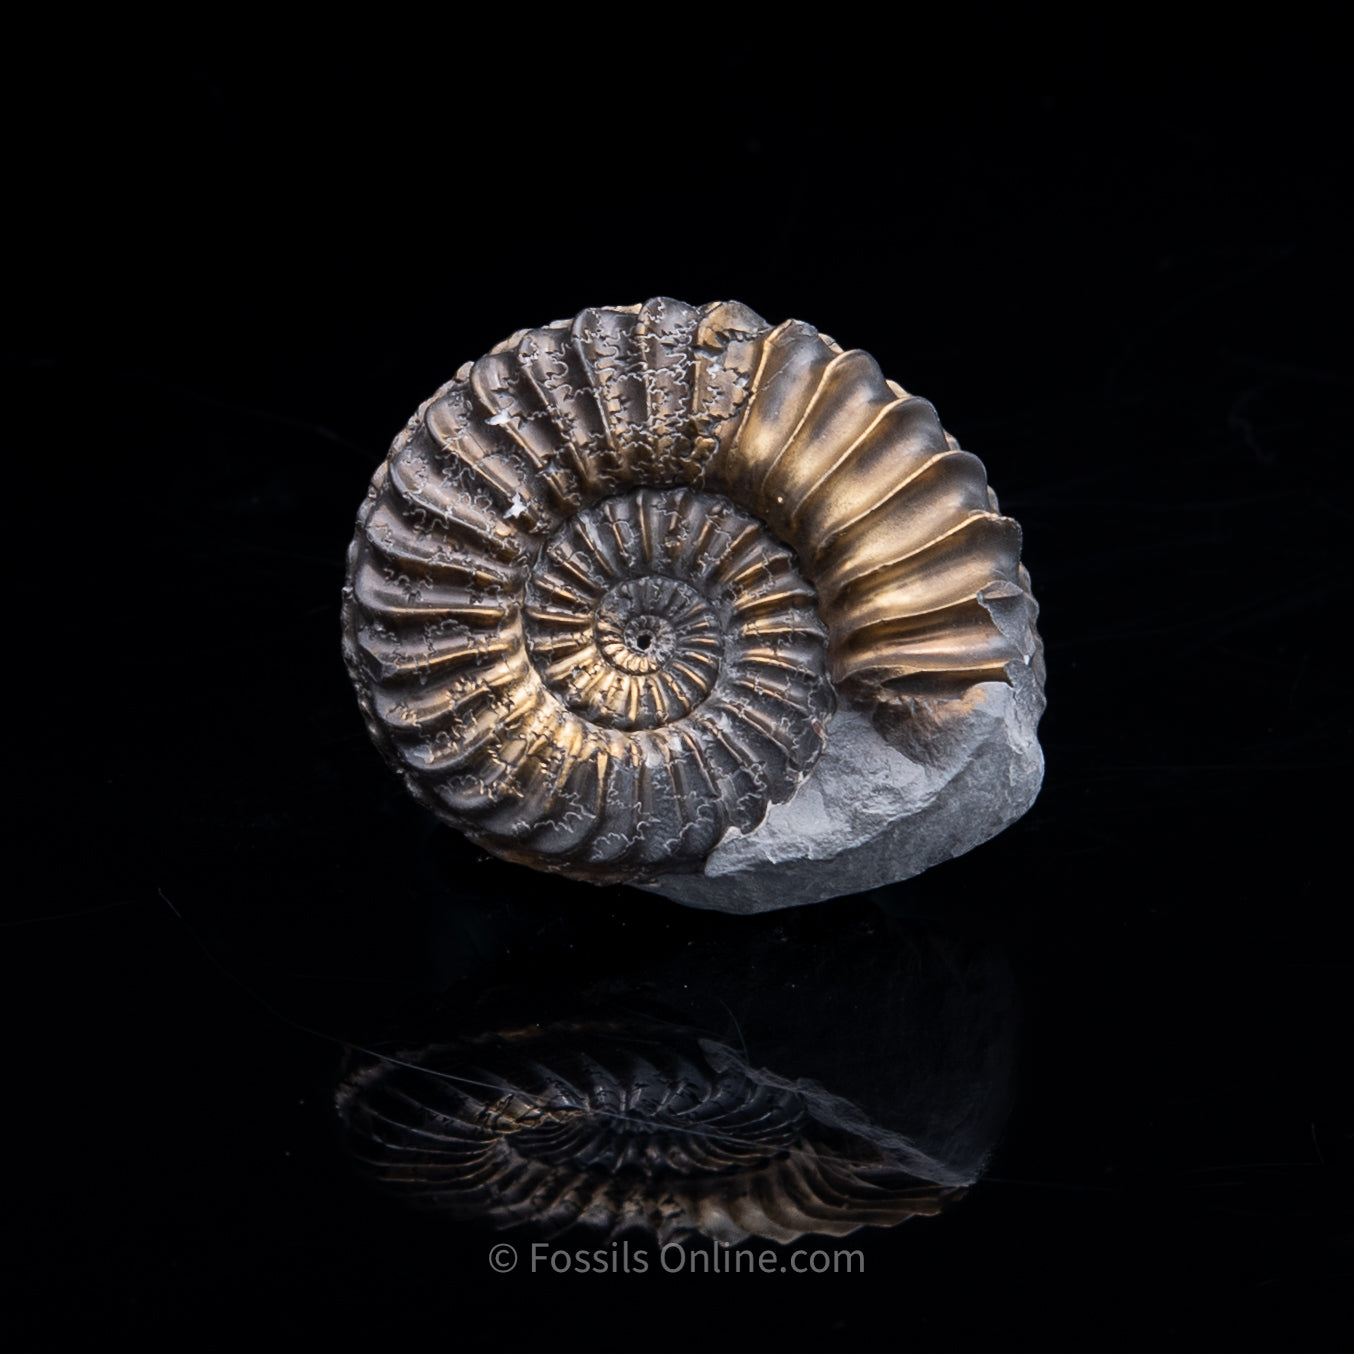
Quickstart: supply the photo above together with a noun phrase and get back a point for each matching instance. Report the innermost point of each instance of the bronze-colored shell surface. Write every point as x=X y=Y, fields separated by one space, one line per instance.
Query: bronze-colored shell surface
x=612 y=581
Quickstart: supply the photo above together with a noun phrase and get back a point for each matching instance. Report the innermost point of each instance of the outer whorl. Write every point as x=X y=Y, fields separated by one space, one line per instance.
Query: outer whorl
x=613 y=581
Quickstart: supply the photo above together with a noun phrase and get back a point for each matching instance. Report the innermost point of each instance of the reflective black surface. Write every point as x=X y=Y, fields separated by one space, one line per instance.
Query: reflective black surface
x=1124 y=261
x=772 y=1078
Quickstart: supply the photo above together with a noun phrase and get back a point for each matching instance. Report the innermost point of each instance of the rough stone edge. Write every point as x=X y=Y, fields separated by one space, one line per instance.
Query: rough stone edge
x=815 y=847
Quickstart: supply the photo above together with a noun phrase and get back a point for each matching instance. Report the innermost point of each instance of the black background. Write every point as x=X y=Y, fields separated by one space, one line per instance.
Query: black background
x=1110 y=250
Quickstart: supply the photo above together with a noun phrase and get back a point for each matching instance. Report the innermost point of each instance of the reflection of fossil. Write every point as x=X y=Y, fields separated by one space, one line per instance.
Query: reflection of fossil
x=610 y=582
x=617 y=1126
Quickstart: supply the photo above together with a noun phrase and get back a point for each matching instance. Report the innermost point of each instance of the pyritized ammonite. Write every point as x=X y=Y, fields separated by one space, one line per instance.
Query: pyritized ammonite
x=612 y=582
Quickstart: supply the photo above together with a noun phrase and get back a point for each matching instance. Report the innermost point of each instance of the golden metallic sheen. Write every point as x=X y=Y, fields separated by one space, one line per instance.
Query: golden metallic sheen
x=612 y=580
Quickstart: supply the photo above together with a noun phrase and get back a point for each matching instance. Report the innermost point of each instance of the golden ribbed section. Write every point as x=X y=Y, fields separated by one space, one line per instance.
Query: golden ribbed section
x=610 y=582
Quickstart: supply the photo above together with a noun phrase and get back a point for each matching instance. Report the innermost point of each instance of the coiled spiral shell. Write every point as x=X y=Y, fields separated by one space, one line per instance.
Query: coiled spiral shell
x=611 y=582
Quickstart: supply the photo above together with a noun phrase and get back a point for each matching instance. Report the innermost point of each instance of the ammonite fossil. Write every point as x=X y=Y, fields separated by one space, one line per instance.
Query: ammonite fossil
x=622 y=586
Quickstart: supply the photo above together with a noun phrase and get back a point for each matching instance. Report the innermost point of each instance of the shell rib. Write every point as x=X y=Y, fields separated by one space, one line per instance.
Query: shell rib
x=612 y=580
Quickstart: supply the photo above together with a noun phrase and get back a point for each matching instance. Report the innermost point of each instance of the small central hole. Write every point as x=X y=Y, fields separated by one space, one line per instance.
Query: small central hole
x=644 y=640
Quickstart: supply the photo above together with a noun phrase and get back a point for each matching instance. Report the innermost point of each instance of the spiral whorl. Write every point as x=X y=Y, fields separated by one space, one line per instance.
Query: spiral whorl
x=610 y=580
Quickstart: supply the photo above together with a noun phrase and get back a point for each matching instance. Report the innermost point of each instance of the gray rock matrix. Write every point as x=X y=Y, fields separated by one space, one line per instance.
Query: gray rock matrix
x=872 y=814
